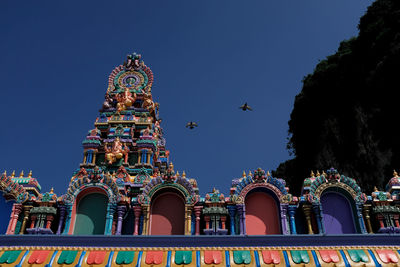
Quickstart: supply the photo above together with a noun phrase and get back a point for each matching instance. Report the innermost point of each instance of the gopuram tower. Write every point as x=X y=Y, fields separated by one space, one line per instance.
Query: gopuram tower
x=122 y=155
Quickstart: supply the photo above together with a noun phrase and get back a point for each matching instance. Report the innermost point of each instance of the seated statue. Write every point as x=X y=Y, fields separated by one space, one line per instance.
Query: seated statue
x=116 y=151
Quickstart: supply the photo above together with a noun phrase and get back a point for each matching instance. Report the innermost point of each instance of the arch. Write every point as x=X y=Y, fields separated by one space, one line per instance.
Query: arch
x=167 y=214
x=89 y=212
x=338 y=220
x=262 y=213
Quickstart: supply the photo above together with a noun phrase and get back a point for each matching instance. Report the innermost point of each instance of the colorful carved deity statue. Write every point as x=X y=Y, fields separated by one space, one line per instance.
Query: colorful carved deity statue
x=116 y=152
x=125 y=100
x=149 y=104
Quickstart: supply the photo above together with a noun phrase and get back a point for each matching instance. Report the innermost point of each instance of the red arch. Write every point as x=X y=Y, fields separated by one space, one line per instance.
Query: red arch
x=167 y=215
x=262 y=215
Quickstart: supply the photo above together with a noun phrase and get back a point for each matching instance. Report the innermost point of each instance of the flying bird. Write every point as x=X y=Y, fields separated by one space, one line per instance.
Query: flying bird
x=245 y=107
x=191 y=125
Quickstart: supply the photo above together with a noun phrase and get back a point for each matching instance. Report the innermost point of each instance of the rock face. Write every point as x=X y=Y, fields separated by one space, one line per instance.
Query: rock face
x=346 y=115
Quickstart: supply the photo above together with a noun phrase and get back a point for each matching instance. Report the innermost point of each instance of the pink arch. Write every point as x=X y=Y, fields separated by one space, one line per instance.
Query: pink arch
x=262 y=214
x=167 y=214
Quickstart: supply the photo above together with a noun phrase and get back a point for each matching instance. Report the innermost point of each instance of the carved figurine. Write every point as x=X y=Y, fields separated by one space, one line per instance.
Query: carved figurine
x=116 y=152
x=132 y=62
x=125 y=100
x=149 y=104
x=107 y=102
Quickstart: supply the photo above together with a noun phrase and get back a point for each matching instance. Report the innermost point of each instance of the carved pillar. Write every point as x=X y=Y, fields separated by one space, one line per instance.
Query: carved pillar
x=360 y=218
x=49 y=220
x=284 y=220
x=33 y=221
x=109 y=218
x=380 y=219
x=307 y=213
x=242 y=218
x=61 y=221
x=94 y=157
x=197 y=213
x=146 y=220
x=121 y=212
x=207 y=220
x=223 y=220
x=137 y=210
x=292 y=221
x=68 y=209
x=232 y=212
x=396 y=220
x=16 y=210
x=25 y=220
x=317 y=211
x=188 y=220
x=366 y=210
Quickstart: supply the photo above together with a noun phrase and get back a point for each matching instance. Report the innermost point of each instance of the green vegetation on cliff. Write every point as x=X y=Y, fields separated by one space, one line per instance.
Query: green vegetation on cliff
x=347 y=113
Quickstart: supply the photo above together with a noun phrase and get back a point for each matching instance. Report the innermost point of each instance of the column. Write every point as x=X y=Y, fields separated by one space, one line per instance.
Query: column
x=207 y=220
x=232 y=212
x=360 y=218
x=307 y=213
x=137 y=210
x=366 y=210
x=68 y=209
x=61 y=221
x=284 y=218
x=121 y=212
x=33 y=220
x=16 y=210
x=188 y=220
x=94 y=157
x=145 y=220
x=292 y=221
x=223 y=220
x=49 y=220
x=25 y=220
x=396 y=220
x=380 y=219
x=317 y=212
x=109 y=218
x=242 y=218
x=197 y=213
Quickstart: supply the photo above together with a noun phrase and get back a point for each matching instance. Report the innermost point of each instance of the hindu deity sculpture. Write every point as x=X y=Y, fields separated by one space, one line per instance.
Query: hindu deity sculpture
x=125 y=100
x=116 y=152
x=149 y=104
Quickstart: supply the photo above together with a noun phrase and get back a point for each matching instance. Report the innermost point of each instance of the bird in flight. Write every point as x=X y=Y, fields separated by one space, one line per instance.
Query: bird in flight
x=191 y=125
x=245 y=107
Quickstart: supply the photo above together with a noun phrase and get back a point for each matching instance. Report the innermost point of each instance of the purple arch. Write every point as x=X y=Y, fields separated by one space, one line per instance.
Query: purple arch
x=337 y=214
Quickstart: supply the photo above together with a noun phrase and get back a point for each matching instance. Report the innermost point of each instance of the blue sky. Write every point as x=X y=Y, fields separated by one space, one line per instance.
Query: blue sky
x=208 y=57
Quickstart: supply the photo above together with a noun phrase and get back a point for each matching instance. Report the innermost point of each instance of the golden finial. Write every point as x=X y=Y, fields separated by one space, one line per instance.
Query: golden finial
x=318 y=174
x=395 y=173
x=30 y=174
x=21 y=174
x=214 y=190
x=171 y=166
x=250 y=173
x=177 y=173
x=244 y=174
x=184 y=174
x=52 y=190
x=13 y=174
x=5 y=173
x=323 y=173
x=375 y=189
x=268 y=173
x=312 y=174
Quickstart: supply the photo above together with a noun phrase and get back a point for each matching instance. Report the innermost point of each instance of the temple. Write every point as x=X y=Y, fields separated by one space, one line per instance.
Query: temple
x=127 y=206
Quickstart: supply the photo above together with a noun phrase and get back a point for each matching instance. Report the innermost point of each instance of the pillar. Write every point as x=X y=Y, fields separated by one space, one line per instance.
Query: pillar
x=68 y=209
x=49 y=220
x=292 y=221
x=197 y=213
x=146 y=220
x=396 y=220
x=223 y=220
x=25 y=220
x=307 y=213
x=232 y=213
x=61 y=221
x=120 y=213
x=284 y=220
x=242 y=218
x=33 y=220
x=188 y=220
x=207 y=220
x=360 y=218
x=137 y=210
x=109 y=218
x=380 y=219
x=16 y=210
x=366 y=210
x=317 y=211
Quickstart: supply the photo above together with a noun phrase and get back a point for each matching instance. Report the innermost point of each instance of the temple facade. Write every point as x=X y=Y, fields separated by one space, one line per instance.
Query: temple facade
x=126 y=185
